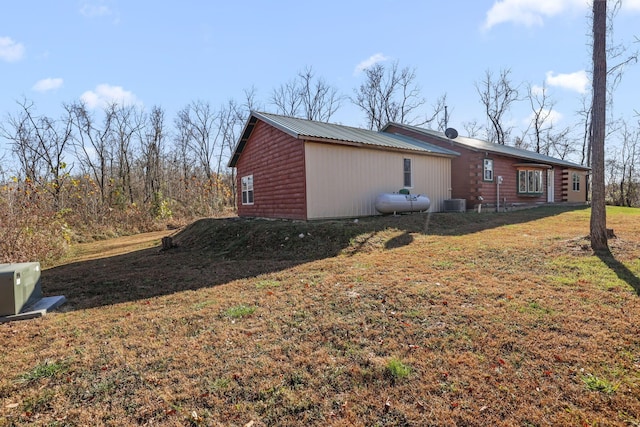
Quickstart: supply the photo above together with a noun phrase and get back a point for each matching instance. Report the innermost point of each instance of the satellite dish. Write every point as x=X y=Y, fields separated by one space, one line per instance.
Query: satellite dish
x=451 y=133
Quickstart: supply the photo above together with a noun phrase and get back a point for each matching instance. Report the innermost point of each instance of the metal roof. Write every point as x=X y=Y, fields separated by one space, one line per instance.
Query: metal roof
x=480 y=145
x=334 y=133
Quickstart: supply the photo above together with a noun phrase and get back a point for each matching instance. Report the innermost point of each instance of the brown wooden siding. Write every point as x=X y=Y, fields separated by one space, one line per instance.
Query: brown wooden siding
x=276 y=161
x=467 y=176
x=558 y=196
x=506 y=167
x=466 y=169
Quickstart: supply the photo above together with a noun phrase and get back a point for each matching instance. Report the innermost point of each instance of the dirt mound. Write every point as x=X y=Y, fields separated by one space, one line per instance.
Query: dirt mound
x=246 y=238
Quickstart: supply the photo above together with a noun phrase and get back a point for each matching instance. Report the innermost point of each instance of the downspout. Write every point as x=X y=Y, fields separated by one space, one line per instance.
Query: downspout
x=498 y=182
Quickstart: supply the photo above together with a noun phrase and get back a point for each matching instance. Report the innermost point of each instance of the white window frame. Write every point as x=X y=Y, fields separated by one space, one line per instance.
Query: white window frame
x=487 y=170
x=575 y=182
x=407 y=171
x=530 y=181
x=247 y=189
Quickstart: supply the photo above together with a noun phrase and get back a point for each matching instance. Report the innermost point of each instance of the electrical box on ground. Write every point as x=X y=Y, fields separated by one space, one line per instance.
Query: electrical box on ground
x=19 y=286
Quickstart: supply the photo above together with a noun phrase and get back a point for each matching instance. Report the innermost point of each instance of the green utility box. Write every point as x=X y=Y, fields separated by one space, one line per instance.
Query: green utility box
x=19 y=286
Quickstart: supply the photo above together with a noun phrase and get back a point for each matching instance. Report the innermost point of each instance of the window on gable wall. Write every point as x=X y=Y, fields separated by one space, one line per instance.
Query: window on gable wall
x=407 y=173
x=575 y=181
x=529 y=181
x=487 y=170
x=247 y=190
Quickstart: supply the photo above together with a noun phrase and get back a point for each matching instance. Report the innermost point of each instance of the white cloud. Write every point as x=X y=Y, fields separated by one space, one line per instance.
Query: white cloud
x=105 y=94
x=578 y=81
x=633 y=5
x=551 y=117
x=372 y=60
x=528 y=12
x=47 y=84
x=10 y=50
x=92 y=10
x=98 y=9
x=537 y=90
x=554 y=117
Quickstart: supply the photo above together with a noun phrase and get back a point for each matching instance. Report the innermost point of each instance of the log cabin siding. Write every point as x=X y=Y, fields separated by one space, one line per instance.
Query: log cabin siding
x=506 y=167
x=468 y=183
x=277 y=162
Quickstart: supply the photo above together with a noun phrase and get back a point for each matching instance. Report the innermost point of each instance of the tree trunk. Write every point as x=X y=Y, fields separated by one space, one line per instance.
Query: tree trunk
x=598 y=209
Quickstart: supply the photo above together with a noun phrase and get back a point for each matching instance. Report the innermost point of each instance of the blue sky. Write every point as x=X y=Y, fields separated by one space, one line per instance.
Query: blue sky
x=171 y=53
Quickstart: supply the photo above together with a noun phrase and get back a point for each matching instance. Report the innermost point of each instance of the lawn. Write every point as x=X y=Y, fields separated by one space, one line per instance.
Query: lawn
x=446 y=319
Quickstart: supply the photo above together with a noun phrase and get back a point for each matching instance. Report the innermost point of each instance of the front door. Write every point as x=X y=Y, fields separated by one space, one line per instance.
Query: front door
x=550 y=186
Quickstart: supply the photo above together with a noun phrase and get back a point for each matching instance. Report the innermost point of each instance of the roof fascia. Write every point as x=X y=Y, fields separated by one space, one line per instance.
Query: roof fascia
x=558 y=162
x=248 y=129
x=378 y=147
x=276 y=125
x=244 y=136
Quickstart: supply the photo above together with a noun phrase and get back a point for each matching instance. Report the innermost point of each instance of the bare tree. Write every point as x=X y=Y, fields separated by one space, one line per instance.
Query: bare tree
x=287 y=99
x=440 y=114
x=497 y=96
x=198 y=122
x=622 y=183
x=128 y=120
x=561 y=142
x=320 y=101
x=152 y=147
x=585 y=113
x=617 y=53
x=308 y=97
x=472 y=128
x=40 y=143
x=391 y=95
x=2 y=169
x=91 y=143
x=250 y=102
x=598 y=220
x=182 y=158
x=541 y=109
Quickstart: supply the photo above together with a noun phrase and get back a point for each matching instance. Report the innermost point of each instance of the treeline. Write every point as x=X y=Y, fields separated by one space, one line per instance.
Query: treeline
x=121 y=169
x=622 y=166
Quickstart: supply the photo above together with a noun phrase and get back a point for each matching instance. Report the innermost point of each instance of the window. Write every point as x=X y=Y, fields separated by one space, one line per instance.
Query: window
x=407 y=173
x=575 y=181
x=487 y=169
x=247 y=190
x=529 y=182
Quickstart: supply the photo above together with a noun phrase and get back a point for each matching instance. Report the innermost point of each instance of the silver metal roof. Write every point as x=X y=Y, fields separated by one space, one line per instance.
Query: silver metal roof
x=480 y=145
x=329 y=132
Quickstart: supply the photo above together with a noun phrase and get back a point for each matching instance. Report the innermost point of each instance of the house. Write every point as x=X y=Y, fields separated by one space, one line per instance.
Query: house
x=485 y=171
x=299 y=169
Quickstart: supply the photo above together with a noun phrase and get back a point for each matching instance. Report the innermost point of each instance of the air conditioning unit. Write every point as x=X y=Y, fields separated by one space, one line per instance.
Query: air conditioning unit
x=19 y=286
x=455 y=205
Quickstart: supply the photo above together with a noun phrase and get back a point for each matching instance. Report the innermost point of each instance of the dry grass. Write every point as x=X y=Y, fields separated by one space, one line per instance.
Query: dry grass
x=449 y=319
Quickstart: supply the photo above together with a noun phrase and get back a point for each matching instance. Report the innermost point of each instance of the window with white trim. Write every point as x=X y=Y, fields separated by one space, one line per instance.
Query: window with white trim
x=408 y=181
x=575 y=182
x=487 y=170
x=529 y=181
x=247 y=190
